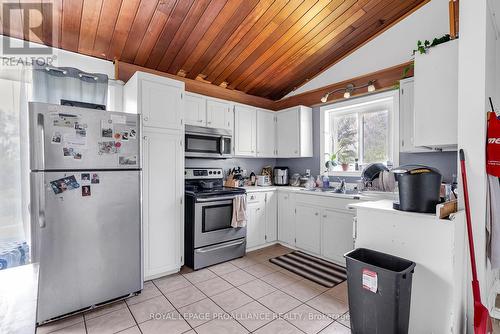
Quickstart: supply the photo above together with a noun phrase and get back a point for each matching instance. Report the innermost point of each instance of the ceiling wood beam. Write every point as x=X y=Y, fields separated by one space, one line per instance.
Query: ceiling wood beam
x=384 y=79
x=125 y=71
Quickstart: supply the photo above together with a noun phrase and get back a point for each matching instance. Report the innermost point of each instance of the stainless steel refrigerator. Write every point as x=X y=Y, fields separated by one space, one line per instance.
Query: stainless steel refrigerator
x=85 y=206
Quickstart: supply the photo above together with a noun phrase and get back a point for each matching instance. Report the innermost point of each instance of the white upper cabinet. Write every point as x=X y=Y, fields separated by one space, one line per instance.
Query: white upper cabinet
x=436 y=96
x=294 y=132
x=205 y=111
x=266 y=133
x=158 y=99
x=245 y=130
x=219 y=114
x=195 y=109
x=407 y=117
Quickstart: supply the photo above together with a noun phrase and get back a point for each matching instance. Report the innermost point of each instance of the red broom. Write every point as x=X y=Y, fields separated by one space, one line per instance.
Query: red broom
x=482 y=321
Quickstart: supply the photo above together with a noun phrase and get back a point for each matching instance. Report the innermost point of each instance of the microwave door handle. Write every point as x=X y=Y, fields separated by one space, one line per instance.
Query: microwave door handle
x=221 y=145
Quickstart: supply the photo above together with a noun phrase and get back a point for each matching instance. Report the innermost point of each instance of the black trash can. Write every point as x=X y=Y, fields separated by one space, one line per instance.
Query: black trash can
x=379 y=289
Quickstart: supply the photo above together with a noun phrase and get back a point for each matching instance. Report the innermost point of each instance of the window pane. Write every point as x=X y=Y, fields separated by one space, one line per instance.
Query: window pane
x=376 y=137
x=345 y=138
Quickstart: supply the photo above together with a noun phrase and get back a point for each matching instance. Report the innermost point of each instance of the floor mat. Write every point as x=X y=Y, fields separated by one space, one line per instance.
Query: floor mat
x=314 y=269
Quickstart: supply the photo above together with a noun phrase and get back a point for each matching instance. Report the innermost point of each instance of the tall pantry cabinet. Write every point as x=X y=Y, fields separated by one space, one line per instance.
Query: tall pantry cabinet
x=160 y=101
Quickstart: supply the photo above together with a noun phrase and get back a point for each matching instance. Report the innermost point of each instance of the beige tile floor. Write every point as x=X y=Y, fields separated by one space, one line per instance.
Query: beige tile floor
x=246 y=295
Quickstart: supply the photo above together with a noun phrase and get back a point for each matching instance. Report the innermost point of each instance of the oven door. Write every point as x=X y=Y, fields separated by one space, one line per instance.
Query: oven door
x=212 y=222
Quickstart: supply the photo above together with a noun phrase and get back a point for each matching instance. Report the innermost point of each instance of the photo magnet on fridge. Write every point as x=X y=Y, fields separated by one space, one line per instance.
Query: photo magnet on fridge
x=95 y=178
x=85 y=177
x=56 y=138
x=63 y=184
x=85 y=190
x=107 y=128
x=128 y=160
x=132 y=134
x=66 y=120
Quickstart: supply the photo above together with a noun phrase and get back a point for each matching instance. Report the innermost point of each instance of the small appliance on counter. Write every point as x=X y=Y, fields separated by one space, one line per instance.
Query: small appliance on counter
x=419 y=188
x=264 y=181
x=280 y=176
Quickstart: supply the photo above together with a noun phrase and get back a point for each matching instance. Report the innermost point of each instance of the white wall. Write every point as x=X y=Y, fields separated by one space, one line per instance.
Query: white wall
x=65 y=58
x=476 y=81
x=393 y=47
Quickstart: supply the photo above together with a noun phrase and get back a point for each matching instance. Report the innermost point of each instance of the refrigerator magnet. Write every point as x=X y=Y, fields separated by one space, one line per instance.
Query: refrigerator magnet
x=132 y=134
x=124 y=135
x=77 y=156
x=85 y=177
x=56 y=138
x=85 y=191
x=107 y=128
x=128 y=160
x=95 y=178
x=63 y=184
x=108 y=147
x=68 y=151
x=117 y=136
x=66 y=120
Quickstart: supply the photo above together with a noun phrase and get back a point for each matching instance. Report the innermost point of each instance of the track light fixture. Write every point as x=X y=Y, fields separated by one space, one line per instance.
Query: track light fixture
x=349 y=89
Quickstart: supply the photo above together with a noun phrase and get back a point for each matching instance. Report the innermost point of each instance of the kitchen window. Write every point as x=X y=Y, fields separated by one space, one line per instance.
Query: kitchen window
x=362 y=131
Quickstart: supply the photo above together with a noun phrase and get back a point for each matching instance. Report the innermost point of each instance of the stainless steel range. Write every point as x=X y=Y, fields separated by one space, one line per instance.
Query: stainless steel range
x=209 y=237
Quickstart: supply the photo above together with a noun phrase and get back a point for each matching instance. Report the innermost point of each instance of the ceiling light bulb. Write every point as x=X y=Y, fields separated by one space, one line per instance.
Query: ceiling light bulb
x=347 y=94
x=324 y=98
x=371 y=88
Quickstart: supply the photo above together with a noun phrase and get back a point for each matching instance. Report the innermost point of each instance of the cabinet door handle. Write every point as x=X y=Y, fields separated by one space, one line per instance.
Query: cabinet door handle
x=295 y=151
x=146 y=118
x=200 y=121
x=145 y=137
x=316 y=213
x=209 y=122
x=324 y=216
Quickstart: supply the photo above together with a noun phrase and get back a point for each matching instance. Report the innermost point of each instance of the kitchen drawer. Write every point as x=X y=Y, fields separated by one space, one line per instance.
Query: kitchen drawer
x=256 y=197
x=335 y=203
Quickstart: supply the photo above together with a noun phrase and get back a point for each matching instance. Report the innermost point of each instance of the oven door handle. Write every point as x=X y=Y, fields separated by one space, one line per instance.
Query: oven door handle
x=212 y=248
x=214 y=199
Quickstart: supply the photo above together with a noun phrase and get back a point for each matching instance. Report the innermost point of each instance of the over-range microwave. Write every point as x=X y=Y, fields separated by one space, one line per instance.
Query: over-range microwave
x=203 y=142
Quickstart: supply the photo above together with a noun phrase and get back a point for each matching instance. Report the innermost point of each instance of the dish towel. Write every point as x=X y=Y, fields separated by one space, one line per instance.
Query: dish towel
x=239 y=211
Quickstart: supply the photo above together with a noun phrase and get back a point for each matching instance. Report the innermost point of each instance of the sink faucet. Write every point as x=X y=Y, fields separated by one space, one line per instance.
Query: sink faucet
x=342 y=185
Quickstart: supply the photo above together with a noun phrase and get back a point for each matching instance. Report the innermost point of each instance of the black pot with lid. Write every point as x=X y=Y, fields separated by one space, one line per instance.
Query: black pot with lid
x=419 y=188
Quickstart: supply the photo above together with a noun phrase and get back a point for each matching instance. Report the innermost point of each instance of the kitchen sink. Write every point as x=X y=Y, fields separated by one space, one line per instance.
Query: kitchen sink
x=349 y=192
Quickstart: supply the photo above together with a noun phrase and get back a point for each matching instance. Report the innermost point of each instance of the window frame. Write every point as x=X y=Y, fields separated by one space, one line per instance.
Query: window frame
x=362 y=105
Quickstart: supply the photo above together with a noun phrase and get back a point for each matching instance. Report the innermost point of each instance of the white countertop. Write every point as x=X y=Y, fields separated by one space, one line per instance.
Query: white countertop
x=386 y=206
x=304 y=191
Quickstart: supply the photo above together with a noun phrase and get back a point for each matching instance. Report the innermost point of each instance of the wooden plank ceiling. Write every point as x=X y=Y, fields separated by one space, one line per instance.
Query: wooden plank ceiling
x=261 y=47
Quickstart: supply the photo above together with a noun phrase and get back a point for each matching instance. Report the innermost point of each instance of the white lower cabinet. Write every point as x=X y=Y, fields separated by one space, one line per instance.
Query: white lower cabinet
x=261 y=214
x=286 y=217
x=163 y=208
x=319 y=225
x=336 y=234
x=308 y=228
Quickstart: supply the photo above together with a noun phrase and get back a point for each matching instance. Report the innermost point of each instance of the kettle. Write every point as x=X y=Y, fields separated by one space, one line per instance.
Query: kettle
x=280 y=176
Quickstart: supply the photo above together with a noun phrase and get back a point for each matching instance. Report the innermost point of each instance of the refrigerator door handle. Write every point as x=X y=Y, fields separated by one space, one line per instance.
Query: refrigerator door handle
x=41 y=129
x=41 y=200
